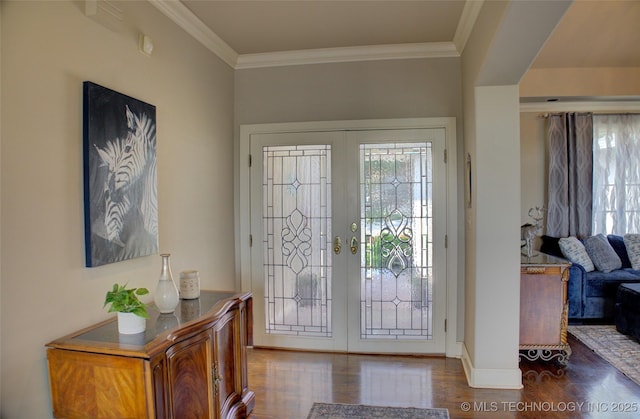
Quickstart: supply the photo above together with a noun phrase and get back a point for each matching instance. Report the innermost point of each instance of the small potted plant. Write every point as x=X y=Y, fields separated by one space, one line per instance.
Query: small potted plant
x=132 y=313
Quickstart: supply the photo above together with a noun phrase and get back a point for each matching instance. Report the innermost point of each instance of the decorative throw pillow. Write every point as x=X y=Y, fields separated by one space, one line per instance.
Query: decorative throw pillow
x=632 y=243
x=617 y=242
x=574 y=250
x=602 y=254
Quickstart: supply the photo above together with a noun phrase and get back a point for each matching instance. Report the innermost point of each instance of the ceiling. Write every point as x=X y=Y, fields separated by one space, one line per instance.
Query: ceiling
x=593 y=33
x=601 y=33
x=272 y=26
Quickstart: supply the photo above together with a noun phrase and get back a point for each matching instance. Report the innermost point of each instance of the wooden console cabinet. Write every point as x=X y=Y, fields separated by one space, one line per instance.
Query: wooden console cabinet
x=544 y=308
x=188 y=364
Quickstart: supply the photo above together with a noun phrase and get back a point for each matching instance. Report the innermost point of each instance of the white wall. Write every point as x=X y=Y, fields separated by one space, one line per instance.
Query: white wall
x=506 y=36
x=485 y=326
x=497 y=292
x=48 y=50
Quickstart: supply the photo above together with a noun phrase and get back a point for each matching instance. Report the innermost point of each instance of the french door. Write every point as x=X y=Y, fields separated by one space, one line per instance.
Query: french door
x=348 y=240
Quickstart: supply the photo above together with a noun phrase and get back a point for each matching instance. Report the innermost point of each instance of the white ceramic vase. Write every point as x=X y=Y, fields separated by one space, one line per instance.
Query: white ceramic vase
x=166 y=296
x=130 y=323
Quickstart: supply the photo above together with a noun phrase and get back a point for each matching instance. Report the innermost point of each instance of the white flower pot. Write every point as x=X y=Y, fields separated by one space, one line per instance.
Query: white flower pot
x=129 y=323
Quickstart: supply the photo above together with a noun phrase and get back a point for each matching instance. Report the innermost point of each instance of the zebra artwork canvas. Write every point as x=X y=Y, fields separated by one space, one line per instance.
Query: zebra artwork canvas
x=121 y=204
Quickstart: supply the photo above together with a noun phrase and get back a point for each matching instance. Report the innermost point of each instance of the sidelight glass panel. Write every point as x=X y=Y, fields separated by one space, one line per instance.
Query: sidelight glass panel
x=396 y=283
x=297 y=239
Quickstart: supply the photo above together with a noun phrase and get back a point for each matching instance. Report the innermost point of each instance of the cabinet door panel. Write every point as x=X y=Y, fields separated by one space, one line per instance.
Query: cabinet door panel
x=541 y=304
x=226 y=340
x=96 y=386
x=189 y=376
x=161 y=399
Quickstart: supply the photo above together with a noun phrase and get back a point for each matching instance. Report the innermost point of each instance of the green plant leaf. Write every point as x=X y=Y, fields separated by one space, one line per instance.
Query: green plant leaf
x=141 y=311
x=125 y=300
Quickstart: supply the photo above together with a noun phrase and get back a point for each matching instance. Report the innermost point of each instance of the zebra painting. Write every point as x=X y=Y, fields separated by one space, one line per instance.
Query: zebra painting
x=121 y=204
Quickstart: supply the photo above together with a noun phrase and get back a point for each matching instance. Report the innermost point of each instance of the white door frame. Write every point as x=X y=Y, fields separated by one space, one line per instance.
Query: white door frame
x=243 y=216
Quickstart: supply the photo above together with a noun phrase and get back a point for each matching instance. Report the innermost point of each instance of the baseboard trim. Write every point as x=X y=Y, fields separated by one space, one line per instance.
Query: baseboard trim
x=490 y=377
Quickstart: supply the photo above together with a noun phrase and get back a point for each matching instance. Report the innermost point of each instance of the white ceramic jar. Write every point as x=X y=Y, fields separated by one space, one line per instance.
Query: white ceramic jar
x=189 y=285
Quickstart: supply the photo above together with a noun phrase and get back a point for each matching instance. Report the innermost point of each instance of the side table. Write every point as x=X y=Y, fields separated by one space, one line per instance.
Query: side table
x=544 y=308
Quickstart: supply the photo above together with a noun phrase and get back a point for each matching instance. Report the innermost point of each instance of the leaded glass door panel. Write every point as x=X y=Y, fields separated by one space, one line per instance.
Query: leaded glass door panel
x=401 y=283
x=296 y=295
x=345 y=248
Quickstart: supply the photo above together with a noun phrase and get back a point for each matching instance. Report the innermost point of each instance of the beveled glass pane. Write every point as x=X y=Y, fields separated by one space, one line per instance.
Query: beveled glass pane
x=297 y=239
x=396 y=223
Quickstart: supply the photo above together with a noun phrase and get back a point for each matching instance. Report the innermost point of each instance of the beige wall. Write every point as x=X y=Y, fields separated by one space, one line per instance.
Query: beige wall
x=347 y=91
x=48 y=50
x=533 y=163
x=581 y=82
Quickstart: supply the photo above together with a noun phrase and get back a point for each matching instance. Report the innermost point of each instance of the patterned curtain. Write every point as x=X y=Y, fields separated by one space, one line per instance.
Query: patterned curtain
x=569 y=205
x=616 y=174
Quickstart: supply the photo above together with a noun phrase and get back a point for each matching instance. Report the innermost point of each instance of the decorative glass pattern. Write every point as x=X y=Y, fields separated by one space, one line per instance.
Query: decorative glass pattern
x=297 y=239
x=396 y=224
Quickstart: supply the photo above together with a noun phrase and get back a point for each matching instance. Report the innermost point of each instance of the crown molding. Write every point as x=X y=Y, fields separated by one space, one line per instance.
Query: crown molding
x=183 y=17
x=348 y=54
x=465 y=25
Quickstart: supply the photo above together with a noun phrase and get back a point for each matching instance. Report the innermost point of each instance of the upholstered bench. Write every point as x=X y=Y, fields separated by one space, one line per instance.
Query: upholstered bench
x=627 y=312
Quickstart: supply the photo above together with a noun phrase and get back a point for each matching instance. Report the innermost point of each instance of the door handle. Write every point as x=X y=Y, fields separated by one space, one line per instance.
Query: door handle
x=354 y=245
x=337 y=245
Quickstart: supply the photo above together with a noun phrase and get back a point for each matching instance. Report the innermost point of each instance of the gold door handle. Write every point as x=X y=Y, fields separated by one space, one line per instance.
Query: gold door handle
x=354 y=245
x=337 y=245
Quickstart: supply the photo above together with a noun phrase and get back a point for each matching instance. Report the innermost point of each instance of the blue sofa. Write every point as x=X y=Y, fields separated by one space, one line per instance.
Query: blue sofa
x=592 y=295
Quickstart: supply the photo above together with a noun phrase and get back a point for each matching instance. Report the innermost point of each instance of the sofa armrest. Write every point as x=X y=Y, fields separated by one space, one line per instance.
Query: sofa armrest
x=575 y=290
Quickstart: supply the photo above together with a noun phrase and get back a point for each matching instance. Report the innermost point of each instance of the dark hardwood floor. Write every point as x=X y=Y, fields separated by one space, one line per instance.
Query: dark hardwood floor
x=287 y=383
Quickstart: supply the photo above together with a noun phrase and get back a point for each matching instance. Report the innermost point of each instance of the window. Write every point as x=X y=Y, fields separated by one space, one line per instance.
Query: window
x=616 y=174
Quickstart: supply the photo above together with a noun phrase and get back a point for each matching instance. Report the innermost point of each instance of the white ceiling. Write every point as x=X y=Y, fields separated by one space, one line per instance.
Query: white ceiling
x=593 y=33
